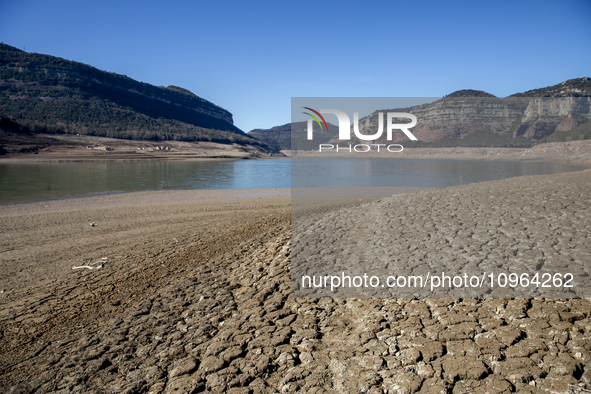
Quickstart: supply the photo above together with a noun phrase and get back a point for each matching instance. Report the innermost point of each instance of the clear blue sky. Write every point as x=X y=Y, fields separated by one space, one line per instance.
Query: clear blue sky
x=251 y=57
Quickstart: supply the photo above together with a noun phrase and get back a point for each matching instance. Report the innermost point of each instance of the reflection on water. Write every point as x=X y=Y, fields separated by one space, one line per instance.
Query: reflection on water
x=421 y=173
x=38 y=181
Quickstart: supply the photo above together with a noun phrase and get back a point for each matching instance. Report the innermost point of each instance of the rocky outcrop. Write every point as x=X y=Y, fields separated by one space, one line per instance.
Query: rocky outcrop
x=477 y=118
x=468 y=118
x=544 y=116
x=506 y=118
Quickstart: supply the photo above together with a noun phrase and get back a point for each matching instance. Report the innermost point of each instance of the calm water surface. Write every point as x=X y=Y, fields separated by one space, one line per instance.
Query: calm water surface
x=422 y=173
x=41 y=181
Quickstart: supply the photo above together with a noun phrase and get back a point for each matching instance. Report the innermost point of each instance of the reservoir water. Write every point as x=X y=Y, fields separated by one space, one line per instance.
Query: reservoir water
x=34 y=181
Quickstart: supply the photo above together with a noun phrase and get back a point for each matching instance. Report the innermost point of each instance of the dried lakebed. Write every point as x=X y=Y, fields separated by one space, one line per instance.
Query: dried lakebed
x=218 y=316
x=521 y=237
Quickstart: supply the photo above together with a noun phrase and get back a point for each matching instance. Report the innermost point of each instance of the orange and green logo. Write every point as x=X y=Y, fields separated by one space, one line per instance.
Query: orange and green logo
x=315 y=118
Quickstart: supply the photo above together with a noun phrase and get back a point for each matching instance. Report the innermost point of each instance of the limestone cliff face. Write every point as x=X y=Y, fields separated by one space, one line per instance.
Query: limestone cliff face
x=452 y=117
x=544 y=116
x=511 y=117
x=458 y=117
x=556 y=107
x=477 y=118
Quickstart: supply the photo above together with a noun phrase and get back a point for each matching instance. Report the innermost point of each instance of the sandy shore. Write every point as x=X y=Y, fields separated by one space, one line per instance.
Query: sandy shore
x=44 y=240
x=193 y=295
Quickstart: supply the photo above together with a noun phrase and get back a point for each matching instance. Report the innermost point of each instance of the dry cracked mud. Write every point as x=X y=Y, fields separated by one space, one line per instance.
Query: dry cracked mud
x=215 y=315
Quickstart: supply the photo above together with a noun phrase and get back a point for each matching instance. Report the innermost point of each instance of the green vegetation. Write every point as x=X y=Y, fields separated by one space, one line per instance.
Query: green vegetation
x=47 y=94
x=15 y=134
x=8 y=124
x=581 y=132
x=469 y=93
x=276 y=138
x=578 y=87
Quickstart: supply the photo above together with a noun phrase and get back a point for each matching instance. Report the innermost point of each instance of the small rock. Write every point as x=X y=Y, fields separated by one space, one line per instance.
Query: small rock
x=211 y=364
x=182 y=367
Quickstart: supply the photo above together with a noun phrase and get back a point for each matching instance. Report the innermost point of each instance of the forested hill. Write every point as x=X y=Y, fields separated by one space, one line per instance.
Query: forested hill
x=48 y=94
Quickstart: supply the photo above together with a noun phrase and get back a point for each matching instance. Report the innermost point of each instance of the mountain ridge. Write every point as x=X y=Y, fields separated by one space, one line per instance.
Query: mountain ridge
x=576 y=87
x=474 y=118
x=48 y=94
x=279 y=137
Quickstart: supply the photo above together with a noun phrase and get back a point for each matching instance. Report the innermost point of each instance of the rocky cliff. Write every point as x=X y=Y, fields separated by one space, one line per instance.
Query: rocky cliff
x=475 y=118
x=545 y=116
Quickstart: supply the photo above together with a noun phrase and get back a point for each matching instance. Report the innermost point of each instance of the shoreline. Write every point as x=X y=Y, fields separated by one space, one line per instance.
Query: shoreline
x=438 y=154
x=134 y=193
x=69 y=147
x=152 y=197
x=94 y=149
x=572 y=152
x=125 y=157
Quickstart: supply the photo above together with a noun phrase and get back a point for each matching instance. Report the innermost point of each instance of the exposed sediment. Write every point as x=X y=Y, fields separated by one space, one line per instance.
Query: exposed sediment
x=520 y=237
x=215 y=315
x=572 y=152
